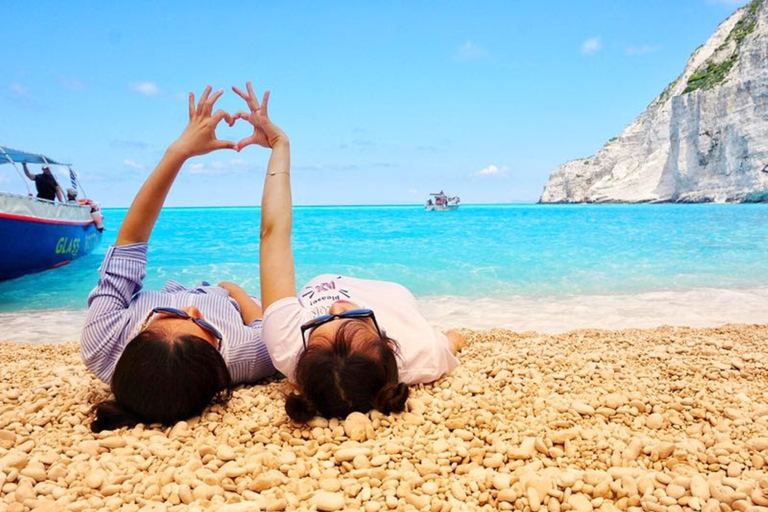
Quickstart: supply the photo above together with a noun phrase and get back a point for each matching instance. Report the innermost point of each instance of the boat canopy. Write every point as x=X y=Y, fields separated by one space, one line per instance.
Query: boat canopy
x=9 y=156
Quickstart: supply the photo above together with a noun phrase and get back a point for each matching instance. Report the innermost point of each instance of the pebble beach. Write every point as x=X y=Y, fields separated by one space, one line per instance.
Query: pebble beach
x=666 y=419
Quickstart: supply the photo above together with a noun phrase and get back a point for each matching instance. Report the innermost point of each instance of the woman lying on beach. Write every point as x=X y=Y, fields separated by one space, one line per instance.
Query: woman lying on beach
x=167 y=354
x=338 y=354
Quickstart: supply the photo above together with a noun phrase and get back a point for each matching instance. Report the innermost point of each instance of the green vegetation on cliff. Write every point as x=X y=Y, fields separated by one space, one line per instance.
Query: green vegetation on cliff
x=712 y=73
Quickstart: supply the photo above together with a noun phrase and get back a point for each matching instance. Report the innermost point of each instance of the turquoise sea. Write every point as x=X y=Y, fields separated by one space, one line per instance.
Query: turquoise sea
x=542 y=267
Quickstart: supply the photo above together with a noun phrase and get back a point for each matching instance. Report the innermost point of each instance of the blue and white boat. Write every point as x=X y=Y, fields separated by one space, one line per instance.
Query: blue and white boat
x=38 y=234
x=441 y=202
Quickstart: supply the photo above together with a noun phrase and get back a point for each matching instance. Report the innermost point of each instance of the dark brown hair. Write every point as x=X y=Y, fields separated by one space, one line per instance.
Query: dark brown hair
x=339 y=379
x=161 y=380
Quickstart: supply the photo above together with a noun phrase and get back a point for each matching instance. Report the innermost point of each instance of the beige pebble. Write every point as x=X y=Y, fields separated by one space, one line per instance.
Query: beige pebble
x=675 y=491
x=14 y=459
x=225 y=453
x=347 y=454
x=534 y=500
x=243 y=506
x=582 y=408
x=379 y=460
x=358 y=427
x=24 y=491
x=734 y=469
x=91 y=447
x=419 y=501
x=328 y=501
x=700 y=487
x=662 y=451
x=430 y=488
x=361 y=462
x=758 y=444
x=561 y=436
x=455 y=423
x=507 y=495
x=7 y=439
x=457 y=490
x=655 y=421
x=580 y=503
x=501 y=481
x=37 y=472
x=463 y=434
x=330 y=484
x=614 y=400
x=112 y=442
x=94 y=479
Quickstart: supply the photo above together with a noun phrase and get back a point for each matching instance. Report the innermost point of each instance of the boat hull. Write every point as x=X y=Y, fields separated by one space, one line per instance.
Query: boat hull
x=441 y=207
x=38 y=235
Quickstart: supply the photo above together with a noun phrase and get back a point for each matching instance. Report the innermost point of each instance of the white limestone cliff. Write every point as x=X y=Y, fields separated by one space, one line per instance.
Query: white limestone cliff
x=709 y=144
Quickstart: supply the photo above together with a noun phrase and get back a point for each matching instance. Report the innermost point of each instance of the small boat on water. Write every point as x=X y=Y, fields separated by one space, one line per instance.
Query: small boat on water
x=38 y=234
x=441 y=202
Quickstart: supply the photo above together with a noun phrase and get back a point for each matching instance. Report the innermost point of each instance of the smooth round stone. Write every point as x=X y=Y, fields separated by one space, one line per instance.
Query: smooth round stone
x=327 y=501
x=330 y=484
x=348 y=454
x=358 y=427
x=430 y=488
x=655 y=421
x=112 y=442
x=225 y=453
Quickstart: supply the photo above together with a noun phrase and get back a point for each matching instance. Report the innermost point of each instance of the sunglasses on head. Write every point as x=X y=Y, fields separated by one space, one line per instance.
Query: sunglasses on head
x=186 y=316
x=324 y=319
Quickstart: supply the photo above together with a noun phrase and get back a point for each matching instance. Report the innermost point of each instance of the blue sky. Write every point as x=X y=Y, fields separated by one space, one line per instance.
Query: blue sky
x=384 y=102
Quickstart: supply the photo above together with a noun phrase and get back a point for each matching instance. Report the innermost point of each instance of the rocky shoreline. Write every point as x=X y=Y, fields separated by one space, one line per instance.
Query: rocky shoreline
x=667 y=419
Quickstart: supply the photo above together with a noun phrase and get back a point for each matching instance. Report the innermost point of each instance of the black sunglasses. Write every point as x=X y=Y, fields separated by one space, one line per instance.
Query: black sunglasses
x=324 y=319
x=183 y=314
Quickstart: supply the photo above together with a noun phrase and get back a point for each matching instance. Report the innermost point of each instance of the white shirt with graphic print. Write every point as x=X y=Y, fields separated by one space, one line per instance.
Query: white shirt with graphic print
x=424 y=354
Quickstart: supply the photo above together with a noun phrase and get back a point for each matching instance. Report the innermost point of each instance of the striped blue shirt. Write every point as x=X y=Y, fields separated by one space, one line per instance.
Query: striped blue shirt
x=118 y=307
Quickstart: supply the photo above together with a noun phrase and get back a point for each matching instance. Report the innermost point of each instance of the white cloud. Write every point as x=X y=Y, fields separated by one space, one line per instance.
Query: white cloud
x=132 y=164
x=19 y=90
x=591 y=45
x=218 y=168
x=146 y=88
x=642 y=50
x=130 y=144
x=470 y=51
x=491 y=170
x=73 y=84
x=22 y=97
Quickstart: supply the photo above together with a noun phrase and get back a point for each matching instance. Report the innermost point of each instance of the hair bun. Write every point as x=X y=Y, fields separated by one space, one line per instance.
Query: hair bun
x=110 y=415
x=299 y=409
x=392 y=398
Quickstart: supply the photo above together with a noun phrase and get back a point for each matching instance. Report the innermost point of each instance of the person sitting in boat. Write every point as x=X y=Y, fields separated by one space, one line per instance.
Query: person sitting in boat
x=167 y=354
x=72 y=196
x=339 y=354
x=45 y=183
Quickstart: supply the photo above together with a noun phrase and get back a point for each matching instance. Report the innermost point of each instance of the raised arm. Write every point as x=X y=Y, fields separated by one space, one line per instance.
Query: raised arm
x=198 y=138
x=26 y=171
x=275 y=254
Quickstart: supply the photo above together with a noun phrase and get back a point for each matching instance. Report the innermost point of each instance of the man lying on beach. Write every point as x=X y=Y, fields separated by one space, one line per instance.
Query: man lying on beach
x=167 y=354
x=334 y=351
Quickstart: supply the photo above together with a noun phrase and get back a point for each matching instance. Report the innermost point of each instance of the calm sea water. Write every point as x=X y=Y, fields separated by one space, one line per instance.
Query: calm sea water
x=542 y=267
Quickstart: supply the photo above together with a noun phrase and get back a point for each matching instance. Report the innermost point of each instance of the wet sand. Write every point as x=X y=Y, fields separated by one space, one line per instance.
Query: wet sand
x=666 y=419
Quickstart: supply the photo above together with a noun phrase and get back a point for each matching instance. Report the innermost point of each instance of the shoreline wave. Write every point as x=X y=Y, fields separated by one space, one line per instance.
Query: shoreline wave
x=703 y=307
